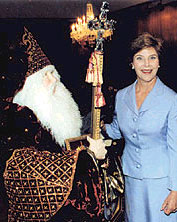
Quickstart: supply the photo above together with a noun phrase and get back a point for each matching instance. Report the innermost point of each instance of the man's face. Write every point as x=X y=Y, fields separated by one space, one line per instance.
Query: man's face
x=49 y=80
x=52 y=103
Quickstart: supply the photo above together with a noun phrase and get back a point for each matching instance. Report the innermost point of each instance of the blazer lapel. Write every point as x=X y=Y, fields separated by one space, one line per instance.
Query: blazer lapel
x=151 y=99
x=149 y=102
x=130 y=98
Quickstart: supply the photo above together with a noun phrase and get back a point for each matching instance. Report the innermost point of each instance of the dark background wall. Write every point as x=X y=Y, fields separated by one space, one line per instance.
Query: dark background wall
x=71 y=61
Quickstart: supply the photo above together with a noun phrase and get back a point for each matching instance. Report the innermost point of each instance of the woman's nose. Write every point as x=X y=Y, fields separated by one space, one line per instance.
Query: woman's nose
x=146 y=62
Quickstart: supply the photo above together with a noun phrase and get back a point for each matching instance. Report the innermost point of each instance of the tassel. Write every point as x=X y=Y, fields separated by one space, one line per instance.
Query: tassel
x=94 y=76
x=99 y=98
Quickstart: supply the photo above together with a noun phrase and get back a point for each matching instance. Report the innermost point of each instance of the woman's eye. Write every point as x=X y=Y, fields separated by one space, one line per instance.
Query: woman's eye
x=153 y=57
x=139 y=58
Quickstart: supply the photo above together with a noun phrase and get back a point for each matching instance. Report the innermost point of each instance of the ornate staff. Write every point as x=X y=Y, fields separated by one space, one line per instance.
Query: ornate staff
x=101 y=28
x=112 y=201
x=95 y=69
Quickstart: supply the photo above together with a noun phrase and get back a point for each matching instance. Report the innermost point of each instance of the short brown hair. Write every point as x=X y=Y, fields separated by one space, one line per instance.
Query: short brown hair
x=145 y=40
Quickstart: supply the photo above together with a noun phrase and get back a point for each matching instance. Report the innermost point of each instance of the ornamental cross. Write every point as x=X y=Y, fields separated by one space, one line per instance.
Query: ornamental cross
x=101 y=24
x=104 y=29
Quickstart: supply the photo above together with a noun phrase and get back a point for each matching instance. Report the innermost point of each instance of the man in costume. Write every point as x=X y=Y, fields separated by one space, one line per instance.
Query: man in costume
x=41 y=177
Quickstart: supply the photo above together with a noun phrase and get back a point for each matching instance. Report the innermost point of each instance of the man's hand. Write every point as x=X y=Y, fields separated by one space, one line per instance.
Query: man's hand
x=170 y=204
x=97 y=147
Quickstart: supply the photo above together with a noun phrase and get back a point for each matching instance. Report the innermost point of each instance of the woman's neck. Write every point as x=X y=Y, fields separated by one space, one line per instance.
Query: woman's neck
x=145 y=87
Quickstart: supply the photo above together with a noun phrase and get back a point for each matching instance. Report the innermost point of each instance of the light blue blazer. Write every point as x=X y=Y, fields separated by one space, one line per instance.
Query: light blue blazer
x=150 y=133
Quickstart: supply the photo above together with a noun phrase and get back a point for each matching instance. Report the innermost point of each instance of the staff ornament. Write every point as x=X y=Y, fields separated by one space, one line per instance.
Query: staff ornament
x=110 y=170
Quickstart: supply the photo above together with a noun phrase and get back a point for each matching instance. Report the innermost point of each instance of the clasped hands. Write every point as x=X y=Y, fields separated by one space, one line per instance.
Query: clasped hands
x=170 y=204
x=97 y=147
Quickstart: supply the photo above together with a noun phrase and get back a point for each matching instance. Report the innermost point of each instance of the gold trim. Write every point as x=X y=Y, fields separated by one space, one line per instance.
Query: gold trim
x=76 y=142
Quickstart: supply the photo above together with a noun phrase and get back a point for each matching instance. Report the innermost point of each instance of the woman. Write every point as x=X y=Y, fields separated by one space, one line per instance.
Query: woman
x=146 y=116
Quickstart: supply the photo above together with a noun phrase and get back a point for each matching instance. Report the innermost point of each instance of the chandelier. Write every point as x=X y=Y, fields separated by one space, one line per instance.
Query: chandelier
x=85 y=30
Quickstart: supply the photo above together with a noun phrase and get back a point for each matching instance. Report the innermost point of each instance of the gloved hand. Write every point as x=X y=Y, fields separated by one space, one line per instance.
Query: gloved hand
x=97 y=147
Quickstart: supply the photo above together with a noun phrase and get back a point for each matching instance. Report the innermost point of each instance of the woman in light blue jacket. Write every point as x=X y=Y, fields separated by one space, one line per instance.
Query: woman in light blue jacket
x=146 y=116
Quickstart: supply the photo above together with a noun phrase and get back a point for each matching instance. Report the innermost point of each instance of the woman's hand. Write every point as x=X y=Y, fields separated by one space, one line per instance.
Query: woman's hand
x=97 y=147
x=170 y=204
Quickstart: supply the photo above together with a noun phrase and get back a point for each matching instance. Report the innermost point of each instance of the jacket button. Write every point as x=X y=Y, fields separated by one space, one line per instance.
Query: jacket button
x=137 y=150
x=138 y=166
x=134 y=135
x=134 y=119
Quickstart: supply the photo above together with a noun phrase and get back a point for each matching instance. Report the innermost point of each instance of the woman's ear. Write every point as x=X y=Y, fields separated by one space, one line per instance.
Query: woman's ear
x=131 y=65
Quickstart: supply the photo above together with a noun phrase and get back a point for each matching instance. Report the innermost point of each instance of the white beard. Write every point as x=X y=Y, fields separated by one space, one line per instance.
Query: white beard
x=57 y=112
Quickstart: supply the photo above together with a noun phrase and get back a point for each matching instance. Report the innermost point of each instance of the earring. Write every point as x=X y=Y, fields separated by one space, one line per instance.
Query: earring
x=133 y=67
x=158 y=66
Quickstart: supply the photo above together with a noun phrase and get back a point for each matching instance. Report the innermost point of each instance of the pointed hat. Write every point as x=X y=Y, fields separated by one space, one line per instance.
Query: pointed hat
x=37 y=60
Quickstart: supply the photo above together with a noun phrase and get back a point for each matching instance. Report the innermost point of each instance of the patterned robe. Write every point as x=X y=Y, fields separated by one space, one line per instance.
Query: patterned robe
x=43 y=182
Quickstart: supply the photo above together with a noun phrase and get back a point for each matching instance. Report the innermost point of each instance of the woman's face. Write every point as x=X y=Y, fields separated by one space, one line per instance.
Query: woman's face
x=146 y=64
